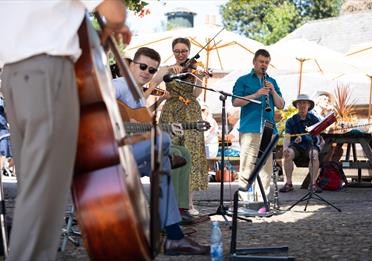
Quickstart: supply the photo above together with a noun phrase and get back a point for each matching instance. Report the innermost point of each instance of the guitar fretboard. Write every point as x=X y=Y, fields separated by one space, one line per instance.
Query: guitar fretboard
x=134 y=127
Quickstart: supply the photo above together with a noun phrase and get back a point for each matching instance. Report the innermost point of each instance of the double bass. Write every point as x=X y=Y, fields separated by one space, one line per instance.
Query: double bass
x=111 y=207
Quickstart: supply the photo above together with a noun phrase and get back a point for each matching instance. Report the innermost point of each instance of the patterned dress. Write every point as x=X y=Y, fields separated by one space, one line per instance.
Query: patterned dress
x=183 y=107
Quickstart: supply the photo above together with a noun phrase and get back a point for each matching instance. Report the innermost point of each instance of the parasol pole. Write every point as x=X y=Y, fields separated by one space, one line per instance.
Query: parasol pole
x=206 y=66
x=301 y=60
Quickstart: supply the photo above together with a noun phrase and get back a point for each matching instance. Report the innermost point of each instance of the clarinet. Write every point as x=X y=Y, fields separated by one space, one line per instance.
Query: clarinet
x=267 y=97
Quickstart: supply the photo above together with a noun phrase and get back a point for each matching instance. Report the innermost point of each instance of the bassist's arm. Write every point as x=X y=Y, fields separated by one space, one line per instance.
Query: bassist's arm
x=115 y=13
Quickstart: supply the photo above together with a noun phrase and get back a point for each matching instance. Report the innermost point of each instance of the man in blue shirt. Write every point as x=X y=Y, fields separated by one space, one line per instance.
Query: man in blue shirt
x=256 y=85
x=143 y=67
x=298 y=146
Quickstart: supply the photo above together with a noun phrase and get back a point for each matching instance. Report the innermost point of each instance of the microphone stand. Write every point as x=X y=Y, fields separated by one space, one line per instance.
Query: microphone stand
x=221 y=210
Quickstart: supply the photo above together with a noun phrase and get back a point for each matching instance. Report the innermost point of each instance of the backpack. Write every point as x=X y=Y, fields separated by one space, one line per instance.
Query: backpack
x=331 y=176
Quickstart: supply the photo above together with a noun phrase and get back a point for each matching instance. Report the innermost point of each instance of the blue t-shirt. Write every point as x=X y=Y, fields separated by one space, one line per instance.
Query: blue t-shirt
x=295 y=125
x=253 y=115
x=125 y=95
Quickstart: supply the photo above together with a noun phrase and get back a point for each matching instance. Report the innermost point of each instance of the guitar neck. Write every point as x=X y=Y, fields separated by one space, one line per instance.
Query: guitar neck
x=135 y=127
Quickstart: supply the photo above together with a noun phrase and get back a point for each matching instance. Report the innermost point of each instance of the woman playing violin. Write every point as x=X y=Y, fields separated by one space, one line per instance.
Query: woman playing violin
x=182 y=106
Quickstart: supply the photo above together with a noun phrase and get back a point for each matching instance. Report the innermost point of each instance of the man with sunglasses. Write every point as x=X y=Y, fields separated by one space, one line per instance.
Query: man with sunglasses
x=143 y=67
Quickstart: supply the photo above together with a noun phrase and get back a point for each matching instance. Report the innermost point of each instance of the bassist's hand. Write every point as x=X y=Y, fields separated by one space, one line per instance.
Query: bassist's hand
x=122 y=34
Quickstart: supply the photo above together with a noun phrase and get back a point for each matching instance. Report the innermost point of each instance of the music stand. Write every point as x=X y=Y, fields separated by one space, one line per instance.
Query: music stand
x=241 y=254
x=315 y=130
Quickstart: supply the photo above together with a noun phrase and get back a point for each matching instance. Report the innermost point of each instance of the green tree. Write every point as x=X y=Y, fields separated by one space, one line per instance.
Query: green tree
x=268 y=21
x=318 y=9
x=281 y=20
x=136 y=5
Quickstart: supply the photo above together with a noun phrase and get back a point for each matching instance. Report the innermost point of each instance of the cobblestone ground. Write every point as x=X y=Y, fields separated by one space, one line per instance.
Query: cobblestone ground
x=320 y=233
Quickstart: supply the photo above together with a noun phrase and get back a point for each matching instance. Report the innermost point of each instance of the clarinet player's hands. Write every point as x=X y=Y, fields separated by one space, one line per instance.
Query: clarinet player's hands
x=261 y=92
x=269 y=86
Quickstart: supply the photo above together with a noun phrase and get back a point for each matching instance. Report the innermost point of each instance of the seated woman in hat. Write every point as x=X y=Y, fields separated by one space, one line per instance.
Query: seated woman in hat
x=301 y=146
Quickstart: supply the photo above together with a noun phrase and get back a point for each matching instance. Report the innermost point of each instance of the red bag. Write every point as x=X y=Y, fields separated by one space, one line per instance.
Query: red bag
x=331 y=176
x=228 y=176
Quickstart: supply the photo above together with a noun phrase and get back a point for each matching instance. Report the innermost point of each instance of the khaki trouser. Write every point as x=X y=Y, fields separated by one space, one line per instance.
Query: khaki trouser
x=43 y=111
x=181 y=175
x=249 y=146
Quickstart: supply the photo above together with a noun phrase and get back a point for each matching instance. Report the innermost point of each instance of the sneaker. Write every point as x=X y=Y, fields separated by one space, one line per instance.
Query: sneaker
x=246 y=211
x=193 y=212
x=286 y=188
x=262 y=210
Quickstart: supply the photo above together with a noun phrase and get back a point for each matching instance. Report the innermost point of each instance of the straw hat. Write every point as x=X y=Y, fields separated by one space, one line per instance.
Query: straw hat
x=304 y=97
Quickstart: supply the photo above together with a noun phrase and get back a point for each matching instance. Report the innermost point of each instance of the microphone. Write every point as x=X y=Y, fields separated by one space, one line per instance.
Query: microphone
x=171 y=77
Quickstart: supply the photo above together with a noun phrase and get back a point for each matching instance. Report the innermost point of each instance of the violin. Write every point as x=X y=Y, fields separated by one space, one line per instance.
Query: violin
x=196 y=67
x=155 y=92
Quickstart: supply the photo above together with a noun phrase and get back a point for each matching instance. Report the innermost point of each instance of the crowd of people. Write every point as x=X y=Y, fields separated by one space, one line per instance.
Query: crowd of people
x=42 y=106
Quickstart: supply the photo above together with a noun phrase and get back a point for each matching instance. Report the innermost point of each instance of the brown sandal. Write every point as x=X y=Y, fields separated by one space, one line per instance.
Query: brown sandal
x=286 y=188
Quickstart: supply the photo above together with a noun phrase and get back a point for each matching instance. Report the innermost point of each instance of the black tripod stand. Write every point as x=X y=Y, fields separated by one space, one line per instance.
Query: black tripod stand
x=221 y=210
x=311 y=194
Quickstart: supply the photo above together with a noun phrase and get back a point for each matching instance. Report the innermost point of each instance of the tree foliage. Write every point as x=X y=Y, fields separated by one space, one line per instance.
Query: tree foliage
x=269 y=20
x=138 y=6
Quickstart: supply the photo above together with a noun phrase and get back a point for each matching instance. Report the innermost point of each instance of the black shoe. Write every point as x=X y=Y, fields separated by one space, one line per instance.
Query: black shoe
x=184 y=246
x=177 y=161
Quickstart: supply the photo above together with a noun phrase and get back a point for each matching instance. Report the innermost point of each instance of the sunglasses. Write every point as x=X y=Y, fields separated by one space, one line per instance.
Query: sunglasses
x=144 y=66
x=178 y=52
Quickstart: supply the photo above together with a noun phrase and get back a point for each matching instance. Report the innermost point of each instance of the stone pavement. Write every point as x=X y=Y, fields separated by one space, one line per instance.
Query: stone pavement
x=320 y=233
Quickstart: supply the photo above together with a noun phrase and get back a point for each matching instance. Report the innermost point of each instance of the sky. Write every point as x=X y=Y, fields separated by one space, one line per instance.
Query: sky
x=153 y=21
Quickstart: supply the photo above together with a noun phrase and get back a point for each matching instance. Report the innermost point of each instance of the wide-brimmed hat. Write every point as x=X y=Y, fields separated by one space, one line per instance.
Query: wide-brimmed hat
x=304 y=97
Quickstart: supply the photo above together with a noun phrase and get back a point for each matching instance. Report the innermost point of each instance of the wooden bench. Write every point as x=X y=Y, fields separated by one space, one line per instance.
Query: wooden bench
x=213 y=162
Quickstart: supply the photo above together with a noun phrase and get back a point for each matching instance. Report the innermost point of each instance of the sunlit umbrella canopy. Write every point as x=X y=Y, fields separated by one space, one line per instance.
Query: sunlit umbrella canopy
x=312 y=84
x=361 y=56
x=301 y=56
x=227 y=52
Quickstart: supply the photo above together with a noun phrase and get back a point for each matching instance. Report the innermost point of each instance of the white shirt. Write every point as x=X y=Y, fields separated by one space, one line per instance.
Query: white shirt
x=35 y=27
x=235 y=144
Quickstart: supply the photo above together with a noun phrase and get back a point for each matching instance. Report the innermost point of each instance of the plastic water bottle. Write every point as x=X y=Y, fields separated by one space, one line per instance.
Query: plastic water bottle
x=250 y=196
x=216 y=243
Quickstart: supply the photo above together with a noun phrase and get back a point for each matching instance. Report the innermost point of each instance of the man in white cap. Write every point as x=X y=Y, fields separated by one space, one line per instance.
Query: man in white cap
x=298 y=145
x=323 y=105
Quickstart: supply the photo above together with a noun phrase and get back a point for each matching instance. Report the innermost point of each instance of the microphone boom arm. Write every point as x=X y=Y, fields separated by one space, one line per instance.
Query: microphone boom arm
x=220 y=92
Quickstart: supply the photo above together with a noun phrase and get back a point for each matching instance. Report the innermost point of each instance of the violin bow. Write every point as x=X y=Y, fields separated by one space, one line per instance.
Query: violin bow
x=196 y=56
